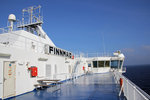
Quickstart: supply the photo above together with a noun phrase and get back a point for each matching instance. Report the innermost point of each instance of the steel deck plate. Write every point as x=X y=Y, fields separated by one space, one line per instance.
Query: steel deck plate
x=88 y=87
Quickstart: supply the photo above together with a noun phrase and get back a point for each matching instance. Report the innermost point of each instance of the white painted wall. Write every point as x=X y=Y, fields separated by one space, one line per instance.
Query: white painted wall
x=24 y=82
x=19 y=46
x=101 y=70
x=1 y=79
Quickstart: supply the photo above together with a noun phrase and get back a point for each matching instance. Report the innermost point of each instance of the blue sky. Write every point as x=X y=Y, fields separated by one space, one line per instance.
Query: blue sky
x=92 y=25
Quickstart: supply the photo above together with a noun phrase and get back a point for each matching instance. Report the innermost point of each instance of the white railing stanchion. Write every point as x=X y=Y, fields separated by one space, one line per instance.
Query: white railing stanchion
x=134 y=92
x=121 y=90
x=130 y=90
x=127 y=93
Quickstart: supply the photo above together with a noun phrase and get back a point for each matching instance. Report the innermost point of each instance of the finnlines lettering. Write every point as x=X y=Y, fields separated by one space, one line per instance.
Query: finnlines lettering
x=59 y=52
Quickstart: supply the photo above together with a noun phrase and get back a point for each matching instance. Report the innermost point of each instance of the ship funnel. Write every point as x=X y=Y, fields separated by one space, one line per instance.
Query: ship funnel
x=11 y=19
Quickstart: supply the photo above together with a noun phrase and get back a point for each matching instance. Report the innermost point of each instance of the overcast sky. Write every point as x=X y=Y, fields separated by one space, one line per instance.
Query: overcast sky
x=93 y=25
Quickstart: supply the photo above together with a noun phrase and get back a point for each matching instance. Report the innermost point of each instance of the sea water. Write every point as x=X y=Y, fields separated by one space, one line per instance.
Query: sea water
x=140 y=75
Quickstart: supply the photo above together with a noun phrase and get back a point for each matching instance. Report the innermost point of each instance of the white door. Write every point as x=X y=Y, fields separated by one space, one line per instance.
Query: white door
x=9 y=79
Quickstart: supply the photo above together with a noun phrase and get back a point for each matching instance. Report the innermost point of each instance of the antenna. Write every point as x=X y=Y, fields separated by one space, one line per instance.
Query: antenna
x=31 y=18
x=11 y=19
x=32 y=13
x=103 y=43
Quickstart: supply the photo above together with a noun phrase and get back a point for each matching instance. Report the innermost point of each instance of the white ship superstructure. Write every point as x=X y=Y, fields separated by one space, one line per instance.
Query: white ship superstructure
x=23 y=49
x=28 y=55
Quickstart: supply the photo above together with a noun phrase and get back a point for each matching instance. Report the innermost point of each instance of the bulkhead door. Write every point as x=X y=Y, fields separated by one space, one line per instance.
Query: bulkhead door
x=9 y=79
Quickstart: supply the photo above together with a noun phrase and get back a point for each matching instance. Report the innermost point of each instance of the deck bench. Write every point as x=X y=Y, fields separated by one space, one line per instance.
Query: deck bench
x=47 y=83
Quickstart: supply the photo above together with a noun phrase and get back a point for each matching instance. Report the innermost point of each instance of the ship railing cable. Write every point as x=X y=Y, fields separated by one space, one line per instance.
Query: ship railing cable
x=91 y=55
x=130 y=90
x=62 y=76
x=27 y=23
x=4 y=30
x=22 y=43
x=66 y=76
x=16 y=40
x=7 y=29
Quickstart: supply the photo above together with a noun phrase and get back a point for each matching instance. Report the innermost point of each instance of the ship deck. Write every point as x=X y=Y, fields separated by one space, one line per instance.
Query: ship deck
x=87 y=87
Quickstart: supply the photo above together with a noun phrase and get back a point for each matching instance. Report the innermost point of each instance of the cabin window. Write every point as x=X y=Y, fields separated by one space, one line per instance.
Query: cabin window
x=114 y=64
x=107 y=63
x=100 y=63
x=94 y=64
x=89 y=65
x=120 y=64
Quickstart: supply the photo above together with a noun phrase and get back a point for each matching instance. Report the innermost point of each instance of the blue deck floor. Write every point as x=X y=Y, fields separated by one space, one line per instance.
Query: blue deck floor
x=88 y=87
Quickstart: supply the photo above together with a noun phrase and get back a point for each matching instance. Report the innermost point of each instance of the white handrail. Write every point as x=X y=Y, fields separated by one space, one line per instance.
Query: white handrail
x=130 y=90
x=65 y=76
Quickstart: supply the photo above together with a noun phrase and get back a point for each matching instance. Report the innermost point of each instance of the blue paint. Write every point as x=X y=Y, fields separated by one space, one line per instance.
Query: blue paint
x=9 y=65
x=34 y=90
x=86 y=87
x=16 y=96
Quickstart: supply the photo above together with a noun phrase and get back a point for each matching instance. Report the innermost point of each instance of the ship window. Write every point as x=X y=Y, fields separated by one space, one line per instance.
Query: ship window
x=100 y=63
x=89 y=65
x=94 y=64
x=120 y=64
x=114 y=64
x=107 y=63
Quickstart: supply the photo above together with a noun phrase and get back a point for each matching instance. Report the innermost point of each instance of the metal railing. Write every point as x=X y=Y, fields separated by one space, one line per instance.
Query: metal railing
x=90 y=55
x=4 y=30
x=20 y=24
x=65 y=76
x=62 y=76
x=27 y=22
x=23 y=43
x=99 y=55
x=7 y=29
x=130 y=90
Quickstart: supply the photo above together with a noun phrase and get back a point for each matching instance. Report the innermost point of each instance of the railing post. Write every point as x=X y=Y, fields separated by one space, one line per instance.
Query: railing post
x=134 y=93
x=127 y=90
x=66 y=76
x=25 y=44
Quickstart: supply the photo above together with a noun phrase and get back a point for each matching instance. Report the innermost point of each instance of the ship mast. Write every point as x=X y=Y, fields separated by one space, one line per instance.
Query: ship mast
x=32 y=22
x=31 y=19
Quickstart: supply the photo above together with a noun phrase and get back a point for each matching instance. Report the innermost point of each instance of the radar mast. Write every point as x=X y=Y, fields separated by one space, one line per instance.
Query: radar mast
x=31 y=19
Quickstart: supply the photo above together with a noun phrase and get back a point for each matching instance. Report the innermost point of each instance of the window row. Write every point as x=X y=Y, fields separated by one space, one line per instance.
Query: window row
x=112 y=64
x=97 y=64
